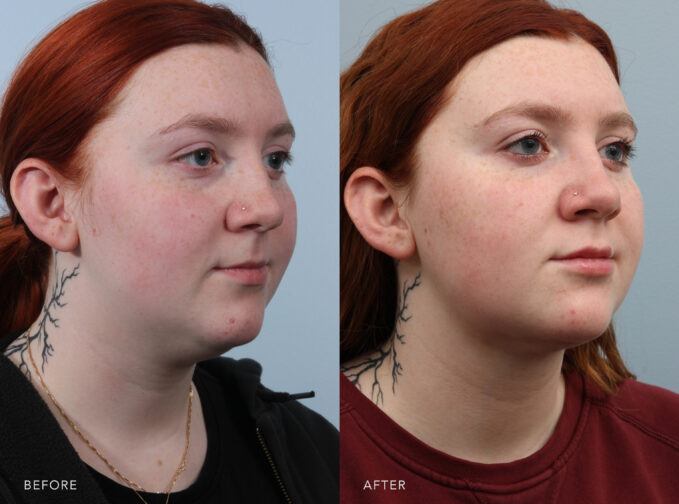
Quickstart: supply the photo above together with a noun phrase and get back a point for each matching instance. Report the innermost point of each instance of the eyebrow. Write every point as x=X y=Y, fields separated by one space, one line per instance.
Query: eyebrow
x=620 y=119
x=222 y=126
x=203 y=122
x=282 y=129
x=552 y=114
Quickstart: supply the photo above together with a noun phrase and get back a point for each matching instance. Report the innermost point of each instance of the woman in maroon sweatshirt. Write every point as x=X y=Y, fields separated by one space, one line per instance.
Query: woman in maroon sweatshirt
x=491 y=227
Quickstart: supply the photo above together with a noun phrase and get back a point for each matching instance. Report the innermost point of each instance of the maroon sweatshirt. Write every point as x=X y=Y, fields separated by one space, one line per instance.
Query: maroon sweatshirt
x=621 y=449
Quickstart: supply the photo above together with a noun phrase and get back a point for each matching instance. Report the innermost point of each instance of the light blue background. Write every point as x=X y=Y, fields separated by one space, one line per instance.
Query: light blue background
x=645 y=37
x=298 y=345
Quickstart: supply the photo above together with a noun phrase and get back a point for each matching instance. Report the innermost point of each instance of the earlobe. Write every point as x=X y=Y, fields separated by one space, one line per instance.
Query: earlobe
x=373 y=204
x=40 y=197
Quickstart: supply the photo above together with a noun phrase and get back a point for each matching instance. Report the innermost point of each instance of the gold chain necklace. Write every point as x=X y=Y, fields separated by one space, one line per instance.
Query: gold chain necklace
x=135 y=487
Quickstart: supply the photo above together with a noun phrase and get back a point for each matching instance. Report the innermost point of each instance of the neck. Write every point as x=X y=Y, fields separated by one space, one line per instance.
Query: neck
x=131 y=405
x=457 y=391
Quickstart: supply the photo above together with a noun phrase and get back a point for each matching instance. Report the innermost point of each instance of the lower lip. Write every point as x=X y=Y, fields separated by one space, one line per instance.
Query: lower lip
x=246 y=276
x=596 y=267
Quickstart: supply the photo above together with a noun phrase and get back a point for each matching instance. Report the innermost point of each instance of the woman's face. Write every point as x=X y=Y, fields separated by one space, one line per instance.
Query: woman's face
x=187 y=221
x=526 y=216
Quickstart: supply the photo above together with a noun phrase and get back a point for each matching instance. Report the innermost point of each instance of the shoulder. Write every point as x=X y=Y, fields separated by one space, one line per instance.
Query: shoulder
x=266 y=406
x=642 y=397
x=32 y=442
x=650 y=410
x=303 y=446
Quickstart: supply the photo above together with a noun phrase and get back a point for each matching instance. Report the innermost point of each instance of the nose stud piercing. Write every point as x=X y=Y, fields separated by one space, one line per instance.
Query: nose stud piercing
x=243 y=208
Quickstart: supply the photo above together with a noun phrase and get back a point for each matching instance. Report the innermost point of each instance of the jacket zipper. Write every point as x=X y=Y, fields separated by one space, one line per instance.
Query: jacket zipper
x=267 y=453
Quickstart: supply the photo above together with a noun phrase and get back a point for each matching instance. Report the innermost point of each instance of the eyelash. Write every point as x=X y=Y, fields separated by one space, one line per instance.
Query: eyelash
x=287 y=160
x=628 y=150
x=184 y=158
x=527 y=158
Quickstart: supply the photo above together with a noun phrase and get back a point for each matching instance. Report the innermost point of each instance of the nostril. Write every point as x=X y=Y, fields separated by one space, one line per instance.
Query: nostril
x=590 y=212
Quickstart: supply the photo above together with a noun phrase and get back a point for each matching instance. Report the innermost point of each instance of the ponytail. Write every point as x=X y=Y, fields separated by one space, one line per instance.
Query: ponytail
x=23 y=272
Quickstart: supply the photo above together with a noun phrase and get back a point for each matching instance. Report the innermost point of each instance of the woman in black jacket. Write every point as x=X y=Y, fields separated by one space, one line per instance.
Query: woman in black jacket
x=143 y=153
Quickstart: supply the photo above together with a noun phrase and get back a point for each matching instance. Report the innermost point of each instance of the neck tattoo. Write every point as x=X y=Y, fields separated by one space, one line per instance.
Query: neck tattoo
x=389 y=350
x=47 y=321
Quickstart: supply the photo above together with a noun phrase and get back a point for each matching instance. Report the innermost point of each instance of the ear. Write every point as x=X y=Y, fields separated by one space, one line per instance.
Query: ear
x=40 y=196
x=373 y=203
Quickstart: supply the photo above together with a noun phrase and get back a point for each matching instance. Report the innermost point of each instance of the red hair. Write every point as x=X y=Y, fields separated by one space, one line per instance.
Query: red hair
x=67 y=85
x=387 y=98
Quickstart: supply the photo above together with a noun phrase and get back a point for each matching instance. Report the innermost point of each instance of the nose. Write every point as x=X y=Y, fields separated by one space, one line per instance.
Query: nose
x=258 y=203
x=595 y=194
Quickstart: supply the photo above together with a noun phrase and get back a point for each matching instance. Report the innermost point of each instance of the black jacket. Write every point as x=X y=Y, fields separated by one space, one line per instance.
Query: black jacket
x=303 y=447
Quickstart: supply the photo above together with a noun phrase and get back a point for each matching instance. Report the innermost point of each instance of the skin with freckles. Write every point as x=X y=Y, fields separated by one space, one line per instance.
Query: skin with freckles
x=517 y=238
x=190 y=144
x=493 y=202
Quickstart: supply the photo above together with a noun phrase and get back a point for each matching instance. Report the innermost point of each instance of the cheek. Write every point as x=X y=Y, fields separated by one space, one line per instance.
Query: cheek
x=282 y=239
x=632 y=224
x=635 y=205
x=290 y=227
x=474 y=224
x=143 y=234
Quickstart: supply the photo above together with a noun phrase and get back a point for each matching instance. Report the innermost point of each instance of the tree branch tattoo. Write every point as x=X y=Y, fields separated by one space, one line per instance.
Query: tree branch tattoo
x=374 y=362
x=47 y=321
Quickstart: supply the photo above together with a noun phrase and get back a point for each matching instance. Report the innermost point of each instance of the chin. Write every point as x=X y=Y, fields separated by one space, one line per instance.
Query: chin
x=582 y=326
x=234 y=331
x=577 y=336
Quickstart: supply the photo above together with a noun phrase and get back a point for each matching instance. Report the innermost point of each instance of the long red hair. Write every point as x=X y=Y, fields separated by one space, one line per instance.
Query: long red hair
x=65 y=86
x=387 y=98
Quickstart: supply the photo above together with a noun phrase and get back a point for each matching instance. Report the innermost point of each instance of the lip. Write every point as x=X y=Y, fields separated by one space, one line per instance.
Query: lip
x=589 y=261
x=247 y=273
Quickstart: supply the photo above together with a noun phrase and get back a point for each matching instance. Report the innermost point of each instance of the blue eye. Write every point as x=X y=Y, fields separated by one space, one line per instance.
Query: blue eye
x=619 y=152
x=613 y=152
x=200 y=158
x=277 y=160
x=530 y=145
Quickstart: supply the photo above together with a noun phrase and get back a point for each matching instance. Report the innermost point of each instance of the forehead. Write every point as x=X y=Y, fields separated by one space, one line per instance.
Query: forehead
x=569 y=74
x=201 y=79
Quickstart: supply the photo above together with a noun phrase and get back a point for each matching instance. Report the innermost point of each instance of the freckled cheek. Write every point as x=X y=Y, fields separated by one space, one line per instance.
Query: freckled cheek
x=149 y=233
x=473 y=227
